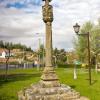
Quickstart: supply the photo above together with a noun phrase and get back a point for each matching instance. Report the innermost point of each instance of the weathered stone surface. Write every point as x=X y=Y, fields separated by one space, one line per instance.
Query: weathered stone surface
x=49 y=76
x=50 y=83
x=37 y=92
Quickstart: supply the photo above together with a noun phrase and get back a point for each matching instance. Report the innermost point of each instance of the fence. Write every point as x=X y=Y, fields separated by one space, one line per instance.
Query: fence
x=16 y=66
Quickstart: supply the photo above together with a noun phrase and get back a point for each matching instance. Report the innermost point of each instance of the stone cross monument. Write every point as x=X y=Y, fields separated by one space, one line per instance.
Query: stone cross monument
x=49 y=78
x=49 y=87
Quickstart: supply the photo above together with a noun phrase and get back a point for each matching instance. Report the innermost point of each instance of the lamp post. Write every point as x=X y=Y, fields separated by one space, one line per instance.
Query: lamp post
x=76 y=29
x=39 y=44
x=40 y=41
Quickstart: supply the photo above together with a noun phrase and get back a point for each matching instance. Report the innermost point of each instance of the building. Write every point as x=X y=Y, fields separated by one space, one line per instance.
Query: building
x=3 y=53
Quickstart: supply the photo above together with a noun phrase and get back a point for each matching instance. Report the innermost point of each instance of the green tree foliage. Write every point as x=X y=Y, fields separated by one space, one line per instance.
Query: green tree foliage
x=81 y=42
x=41 y=54
x=95 y=42
x=41 y=51
x=1 y=44
x=60 y=55
x=95 y=39
x=10 y=45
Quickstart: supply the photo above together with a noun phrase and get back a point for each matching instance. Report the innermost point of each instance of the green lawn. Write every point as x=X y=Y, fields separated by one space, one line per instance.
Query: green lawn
x=20 y=78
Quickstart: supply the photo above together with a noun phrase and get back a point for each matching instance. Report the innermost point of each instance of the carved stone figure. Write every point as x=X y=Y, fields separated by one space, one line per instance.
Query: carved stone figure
x=47 y=13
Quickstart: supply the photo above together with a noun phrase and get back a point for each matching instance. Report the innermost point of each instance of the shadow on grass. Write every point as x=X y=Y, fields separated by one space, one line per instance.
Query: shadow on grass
x=17 y=77
x=5 y=97
x=92 y=81
x=73 y=86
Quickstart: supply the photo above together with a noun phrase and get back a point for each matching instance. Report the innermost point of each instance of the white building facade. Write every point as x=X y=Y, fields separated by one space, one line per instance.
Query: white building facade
x=4 y=53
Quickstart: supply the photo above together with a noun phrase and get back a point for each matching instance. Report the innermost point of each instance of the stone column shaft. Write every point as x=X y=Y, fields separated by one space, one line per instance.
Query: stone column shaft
x=49 y=77
x=48 y=44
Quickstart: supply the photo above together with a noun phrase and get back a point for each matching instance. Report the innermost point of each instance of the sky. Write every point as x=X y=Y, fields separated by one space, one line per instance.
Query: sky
x=21 y=21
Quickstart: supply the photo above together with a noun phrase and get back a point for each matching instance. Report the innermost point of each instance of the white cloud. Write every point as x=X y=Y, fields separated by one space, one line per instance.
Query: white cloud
x=20 y=25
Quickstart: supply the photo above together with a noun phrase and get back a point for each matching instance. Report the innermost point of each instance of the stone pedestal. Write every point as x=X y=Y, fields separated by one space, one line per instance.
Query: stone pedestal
x=40 y=92
x=49 y=88
x=49 y=78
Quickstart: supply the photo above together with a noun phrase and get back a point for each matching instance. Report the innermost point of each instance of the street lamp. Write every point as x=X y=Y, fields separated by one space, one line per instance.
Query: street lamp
x=39 y=58
x=76 y=29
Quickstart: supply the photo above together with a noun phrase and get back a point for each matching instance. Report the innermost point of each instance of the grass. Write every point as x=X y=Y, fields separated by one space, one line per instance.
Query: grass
x=20 y=78
x=17 y=80
x=82 y=82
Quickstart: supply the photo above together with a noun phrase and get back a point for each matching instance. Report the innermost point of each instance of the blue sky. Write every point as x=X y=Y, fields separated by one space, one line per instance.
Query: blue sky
x=20 y=20
x=23 y=3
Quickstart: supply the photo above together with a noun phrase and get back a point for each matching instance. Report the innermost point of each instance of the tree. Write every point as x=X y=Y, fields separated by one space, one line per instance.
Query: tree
x=41 y=54
x=81 y=43
x=1 y=44
x=60 y=55
x=95 y=42
x=14 y=46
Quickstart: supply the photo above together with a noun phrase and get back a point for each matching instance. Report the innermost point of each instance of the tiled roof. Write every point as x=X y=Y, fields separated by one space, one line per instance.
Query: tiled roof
x=10 y=60
x=3 y=50
x=2 y=60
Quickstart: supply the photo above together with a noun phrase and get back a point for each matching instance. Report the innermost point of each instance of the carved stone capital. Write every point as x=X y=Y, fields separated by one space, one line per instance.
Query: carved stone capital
x=47 y=13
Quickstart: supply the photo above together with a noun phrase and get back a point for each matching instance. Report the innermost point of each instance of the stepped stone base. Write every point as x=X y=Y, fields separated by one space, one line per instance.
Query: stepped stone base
x=49 y=88
x=38 y=92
